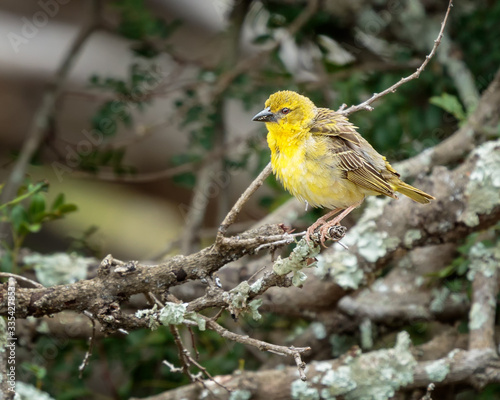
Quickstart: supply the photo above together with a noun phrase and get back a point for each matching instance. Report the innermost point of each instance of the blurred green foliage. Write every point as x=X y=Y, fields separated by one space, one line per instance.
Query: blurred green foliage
x=477 y=34
x=26 y=214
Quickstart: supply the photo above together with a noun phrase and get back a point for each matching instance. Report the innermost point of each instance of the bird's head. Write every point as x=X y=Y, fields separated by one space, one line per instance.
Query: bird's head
x=288 y=109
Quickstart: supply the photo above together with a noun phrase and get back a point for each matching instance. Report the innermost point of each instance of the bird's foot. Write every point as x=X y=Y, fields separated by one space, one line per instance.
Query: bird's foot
x=325 y=231
x=333 y=232
x=311 y=234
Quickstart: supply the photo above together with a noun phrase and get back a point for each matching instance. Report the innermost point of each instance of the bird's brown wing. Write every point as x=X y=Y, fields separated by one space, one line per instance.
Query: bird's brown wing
x=345 y=149
x=331 y=123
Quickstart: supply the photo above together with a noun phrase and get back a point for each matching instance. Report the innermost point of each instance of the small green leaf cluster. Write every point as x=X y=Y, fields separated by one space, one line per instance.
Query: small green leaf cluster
x=26 y=214
x=450 y=104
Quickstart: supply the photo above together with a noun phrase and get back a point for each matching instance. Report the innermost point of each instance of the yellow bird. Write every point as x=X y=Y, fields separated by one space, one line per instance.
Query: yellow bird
x=322 y=160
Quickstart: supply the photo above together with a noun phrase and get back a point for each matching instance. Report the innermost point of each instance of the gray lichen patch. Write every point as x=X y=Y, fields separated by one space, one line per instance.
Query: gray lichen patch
x=372 y=243
x=342 y=267
x=411 y=236
x=483 y=188
x=171 y=314
x=319 y=330
x=257 y=285
x=483 y=259
x=302 y=391
x=438 y=370
x=296 y=261
x=27 y=391
x=439 y=298
x=237 y=299
x=59 y=268
x=151 y=315
x=366 y=331
x=240 y=395
x=477 y=316
x=339 y=381
x=373 y=376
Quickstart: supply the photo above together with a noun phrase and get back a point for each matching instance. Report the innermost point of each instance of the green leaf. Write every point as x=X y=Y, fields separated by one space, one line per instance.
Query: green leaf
x=34 y=228
x=446 y=271
x=450 y=104
x=6 y=262
x=67 y=208
x=58 y=202
x=104 y=119
x=187 y=180
x=18 y=217
x=38 y=371
x=36 y=207
x=463 y=267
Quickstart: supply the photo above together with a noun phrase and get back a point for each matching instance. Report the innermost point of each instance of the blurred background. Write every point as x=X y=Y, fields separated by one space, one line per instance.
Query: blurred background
x=149 y=102
x=153 y=70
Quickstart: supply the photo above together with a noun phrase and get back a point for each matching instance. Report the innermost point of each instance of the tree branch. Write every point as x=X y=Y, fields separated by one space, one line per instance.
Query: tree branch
x=381 y=371
x=484 y=273
x=117 y=280
x=233 y=213
x=294 y=352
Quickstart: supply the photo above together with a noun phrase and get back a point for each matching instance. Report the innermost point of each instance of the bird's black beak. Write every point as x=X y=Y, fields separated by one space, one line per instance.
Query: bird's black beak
x=265 y=116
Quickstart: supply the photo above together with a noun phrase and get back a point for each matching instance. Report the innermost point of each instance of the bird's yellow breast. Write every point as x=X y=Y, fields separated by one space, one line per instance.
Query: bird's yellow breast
x=301 y=161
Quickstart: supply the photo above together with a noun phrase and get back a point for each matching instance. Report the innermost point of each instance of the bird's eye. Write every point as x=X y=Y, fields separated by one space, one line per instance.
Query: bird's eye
x=285 y=110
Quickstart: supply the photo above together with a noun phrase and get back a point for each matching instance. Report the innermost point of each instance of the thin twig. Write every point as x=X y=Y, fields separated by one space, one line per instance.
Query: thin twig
x=273 y=240
x=256 y=273
x=172 y=367
x=21 y=278
x=428 y=394
x=366 y=104
x=282 y=242
x=182 y=356
x=88 y=354
x=218 y=297
x=193 y=343
x=155 y=300
x=186 y=361
x=301 y=365
x=292 y=351
x=233 y=213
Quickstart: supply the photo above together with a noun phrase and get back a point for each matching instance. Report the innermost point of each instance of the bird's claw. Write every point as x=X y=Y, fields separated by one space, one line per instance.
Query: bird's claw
x=336 y=232
x=326 y=232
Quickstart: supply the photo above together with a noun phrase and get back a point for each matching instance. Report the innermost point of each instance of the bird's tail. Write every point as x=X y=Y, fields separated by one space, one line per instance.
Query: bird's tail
x=412 y=192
